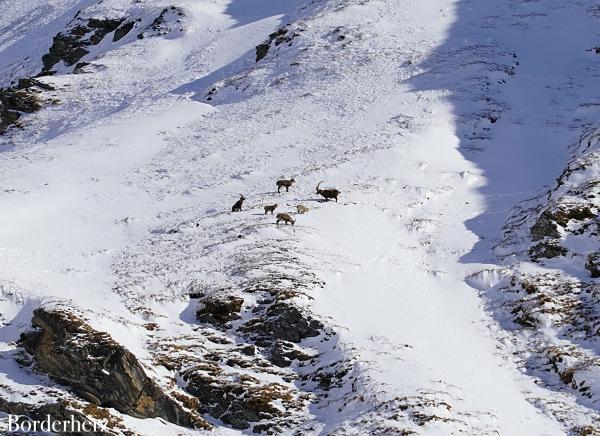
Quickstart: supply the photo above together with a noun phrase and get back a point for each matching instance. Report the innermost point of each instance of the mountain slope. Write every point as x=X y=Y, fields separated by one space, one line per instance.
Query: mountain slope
x=391 y=310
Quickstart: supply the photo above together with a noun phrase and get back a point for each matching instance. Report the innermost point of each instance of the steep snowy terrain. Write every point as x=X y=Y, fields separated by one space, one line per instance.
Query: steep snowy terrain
x=451 y=288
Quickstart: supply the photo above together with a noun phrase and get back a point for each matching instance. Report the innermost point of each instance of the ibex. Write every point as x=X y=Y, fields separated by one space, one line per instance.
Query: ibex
x=285 y=218
x=301 y=208
x=287 y=183
x=328 y=193
x=270 y=208
x=237 y=207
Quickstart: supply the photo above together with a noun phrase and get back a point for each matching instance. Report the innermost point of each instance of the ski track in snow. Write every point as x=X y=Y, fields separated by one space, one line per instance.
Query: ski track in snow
x=396 y=115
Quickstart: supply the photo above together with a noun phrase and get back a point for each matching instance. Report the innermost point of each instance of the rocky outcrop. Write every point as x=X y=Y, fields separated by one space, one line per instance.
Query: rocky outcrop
x=280 y=36
x=24 y=97
x=70 y=46
x=168 y=22
x=553 y=219
x=98 y=369
x=123 y=30
x=545 y=227
x=557 y=222
x=219 y=310
x=547 y=250
x=593 y=264
x=283 y=320
x=283 y=353
x=241 y=400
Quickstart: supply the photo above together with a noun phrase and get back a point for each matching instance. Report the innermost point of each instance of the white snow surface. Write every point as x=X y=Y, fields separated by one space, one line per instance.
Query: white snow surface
x=396 y=115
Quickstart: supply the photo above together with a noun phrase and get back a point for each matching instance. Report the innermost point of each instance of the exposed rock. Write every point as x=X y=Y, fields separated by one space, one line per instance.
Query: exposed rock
x=248 y=350
x=70 y=46
x=334 y=375
x=123 y=30
x=548 y=222
x=240 y=401
x=547 y=250
x=283 y=320
x=280 y=36
x=21 y=98
x=593 y=264
x=28 y=82
x=282 y=353
x=79 y=67
x=169 y=21
x=219 y=309
x=544 y=227
x=566 y=213
x=262 y=50
x=97 y=367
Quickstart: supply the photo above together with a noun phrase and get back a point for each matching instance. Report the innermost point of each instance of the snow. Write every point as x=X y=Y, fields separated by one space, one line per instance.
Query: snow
x=394 y=115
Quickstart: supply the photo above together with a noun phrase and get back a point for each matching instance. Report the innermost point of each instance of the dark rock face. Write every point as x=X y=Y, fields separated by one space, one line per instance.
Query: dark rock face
x=97 y=368
x=123 y=30
x=70 y=46
x=285 y=321
x=593 y=264
x=280 y=36
x=219 y=310
x=21 y=98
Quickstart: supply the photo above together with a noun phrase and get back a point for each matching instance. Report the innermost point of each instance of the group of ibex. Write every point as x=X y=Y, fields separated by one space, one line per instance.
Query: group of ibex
x=286 y=218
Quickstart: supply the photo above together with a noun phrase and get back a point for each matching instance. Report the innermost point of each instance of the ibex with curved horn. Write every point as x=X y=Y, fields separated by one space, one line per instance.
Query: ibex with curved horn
x=328 y=193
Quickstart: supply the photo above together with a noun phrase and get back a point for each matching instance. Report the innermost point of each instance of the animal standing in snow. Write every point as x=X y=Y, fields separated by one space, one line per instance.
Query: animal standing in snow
x=328 y=193
x=301 y=208
x=270 y=208
x=285 y=183
x=237 y=207
x=285 y=218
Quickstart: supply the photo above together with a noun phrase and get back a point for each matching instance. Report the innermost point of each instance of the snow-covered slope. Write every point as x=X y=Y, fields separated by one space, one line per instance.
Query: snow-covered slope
x=416 y=303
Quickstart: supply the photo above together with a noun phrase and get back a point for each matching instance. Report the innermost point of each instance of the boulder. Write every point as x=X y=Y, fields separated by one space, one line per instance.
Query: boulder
x=283 y=320
x=593 y=264
x=218 y=309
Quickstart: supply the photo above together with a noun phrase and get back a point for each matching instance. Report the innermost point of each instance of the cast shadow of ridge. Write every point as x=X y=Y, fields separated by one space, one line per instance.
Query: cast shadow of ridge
x=496 y=68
